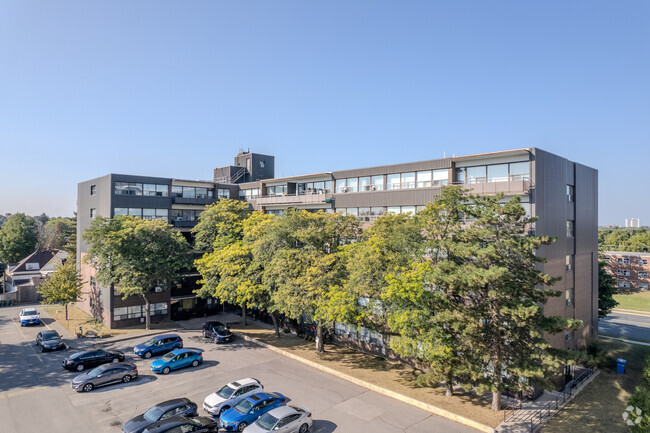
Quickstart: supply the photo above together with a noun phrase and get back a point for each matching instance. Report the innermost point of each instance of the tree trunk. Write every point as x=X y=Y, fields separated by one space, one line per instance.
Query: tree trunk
x=66 y=312
x=320 y=347
x=449 y=385
x=243 y=313
x=276 y=324
x=496 y=383
x=147 y=312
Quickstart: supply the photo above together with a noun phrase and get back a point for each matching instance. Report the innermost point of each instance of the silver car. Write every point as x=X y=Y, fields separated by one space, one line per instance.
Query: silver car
x=230 y=394
x=283 y=419
x=105 y=375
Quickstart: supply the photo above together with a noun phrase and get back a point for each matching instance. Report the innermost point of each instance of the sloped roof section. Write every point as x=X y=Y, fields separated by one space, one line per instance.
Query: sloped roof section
x=38 y=257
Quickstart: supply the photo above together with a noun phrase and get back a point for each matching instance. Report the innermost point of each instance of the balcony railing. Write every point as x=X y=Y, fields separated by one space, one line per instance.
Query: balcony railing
x=293 y=199
x=515 y=184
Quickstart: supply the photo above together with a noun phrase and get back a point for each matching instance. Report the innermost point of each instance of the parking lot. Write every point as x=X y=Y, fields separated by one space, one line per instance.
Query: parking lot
x=35 y=393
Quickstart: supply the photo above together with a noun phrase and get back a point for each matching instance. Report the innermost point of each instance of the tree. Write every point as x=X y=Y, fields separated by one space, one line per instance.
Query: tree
x=505 y=295
x=59 y=234
x=63 y=286
x=606 y=291
x=18 y=238
x=220 y=224
x=137 y=255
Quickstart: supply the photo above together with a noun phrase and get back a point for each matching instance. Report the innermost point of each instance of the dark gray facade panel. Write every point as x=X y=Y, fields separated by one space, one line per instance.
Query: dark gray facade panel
x=402 y=197
x=100 y=201
x=140 y=201
x=433 y=164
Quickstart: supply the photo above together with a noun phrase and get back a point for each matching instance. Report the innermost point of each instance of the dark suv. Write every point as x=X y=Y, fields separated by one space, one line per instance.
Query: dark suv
x=92 y=358
x=219 y=332
x=161 y=411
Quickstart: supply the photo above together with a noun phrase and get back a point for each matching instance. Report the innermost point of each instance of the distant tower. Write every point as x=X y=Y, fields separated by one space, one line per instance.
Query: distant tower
x=632 y=222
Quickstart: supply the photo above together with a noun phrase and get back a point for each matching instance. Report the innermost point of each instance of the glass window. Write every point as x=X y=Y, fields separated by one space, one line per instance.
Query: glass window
x=189 y=192
x=162 y=213
x=408 y=180
x=377 y=182
x=341 y=185
x=352 y=211
x=364 y=184
x=201 y=192
x=177 y=191
x=120 y=313
x=497 y=173
x=134 y=211
x=328 y=186
x=569 y=262
x=148 y=214
x=570 y=229
x=93 y=189
x=460 y=175
x=408 y=209
x=223 y=193
x=476 y=174
x=176 y=213
x=423 y=179
x=162 y=190
x=570 y=193
x=393 y=181
x=353 y=184
x=364 y=211
x=134 y=311
x=643 y=286
x=419 y=208
x=520 y=171
x=120 y=211
x=393 y=209
x=149 y=189
x=93 y=212
x=440 y=177
x=376 y=211
x=569 y=296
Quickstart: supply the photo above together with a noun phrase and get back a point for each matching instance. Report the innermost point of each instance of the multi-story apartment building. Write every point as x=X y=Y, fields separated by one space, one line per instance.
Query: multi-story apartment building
x=630 y=270
x=632 y=222
x=561 y=193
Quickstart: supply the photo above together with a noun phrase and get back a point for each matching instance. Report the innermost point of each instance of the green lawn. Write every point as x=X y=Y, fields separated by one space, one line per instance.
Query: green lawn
x=599 y=407
x=639 y=301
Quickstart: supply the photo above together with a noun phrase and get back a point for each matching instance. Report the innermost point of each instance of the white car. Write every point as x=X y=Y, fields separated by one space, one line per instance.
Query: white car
x=229 y=394
x=29 y=316
x=283 y=419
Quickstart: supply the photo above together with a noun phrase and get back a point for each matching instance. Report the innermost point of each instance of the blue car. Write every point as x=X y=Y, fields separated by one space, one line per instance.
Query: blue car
x=176 y=359
x=248 y=409
x=158 y=345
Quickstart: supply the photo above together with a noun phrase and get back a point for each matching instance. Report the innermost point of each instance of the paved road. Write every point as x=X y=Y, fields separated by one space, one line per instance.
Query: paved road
x=623 y=325
x=35 y=394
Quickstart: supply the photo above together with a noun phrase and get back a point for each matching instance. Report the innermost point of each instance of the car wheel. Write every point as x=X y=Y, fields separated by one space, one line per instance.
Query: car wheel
x=303 y=428
x=126 y=379
x=195 y=363
x=205 y=334
x=88 y=387
x=42 y=348
x=215 y=340
x=80 y=367
x=116 y=360
x=241 y=426
x=146 y=355
x=165 y=370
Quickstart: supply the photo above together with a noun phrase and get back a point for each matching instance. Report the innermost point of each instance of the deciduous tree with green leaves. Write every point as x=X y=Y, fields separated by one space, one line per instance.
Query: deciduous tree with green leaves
x=63 y=287
x=18 y=238
x=606 y=291
x=220 y=224
x=136 y=255
x=59 y=234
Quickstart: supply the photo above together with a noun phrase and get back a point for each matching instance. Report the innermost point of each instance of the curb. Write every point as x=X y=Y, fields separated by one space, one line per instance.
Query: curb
x=633 y=312
x=387 y=392
x=640 y=343
x=133 y=337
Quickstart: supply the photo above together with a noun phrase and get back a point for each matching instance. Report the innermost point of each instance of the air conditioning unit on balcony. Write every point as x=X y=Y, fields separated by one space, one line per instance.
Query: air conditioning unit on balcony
x=158 y=289
x=373 y=187
x=345 y=189
x=179 y=219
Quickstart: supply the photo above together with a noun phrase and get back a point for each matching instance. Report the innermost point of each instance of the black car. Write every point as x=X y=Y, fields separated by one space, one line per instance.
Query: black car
x=105 y=375
x=199 y=424
x=160 y=412
x=219 y=332
x=92 y=358
x=49 y=340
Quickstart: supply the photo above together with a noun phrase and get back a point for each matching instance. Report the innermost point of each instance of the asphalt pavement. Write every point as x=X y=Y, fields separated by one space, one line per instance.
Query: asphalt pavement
x=626 y=325
x=35 y=393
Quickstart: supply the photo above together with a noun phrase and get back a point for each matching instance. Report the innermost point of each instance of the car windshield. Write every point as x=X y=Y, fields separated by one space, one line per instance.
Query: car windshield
x=150 y=342
x=50 y=336
x=267 y=421
x=29 y=313
x=220 y=328
x=225 y=392
x=153 y=414
x=244 y=406
x=168 y=356
x=96 y=371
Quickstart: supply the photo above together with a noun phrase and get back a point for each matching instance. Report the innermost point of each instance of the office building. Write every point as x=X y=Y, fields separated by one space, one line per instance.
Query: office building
x=562 y=194
x=632 y=223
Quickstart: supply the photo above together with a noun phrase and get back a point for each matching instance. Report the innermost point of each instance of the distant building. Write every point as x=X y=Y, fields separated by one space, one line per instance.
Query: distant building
x=26 y=276
x=632 y=223
x=630 y=270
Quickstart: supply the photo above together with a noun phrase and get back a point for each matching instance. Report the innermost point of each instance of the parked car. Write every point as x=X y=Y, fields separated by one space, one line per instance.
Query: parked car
x=157 y=345
x=218 y=332
x=49 y=340
x=284 y=419
x=91 y=358
x=29 y=316
x=179 y=424
x=229 y=394
x=176 y=359
x=249 y=409
x=105 y=375
x=161 y=411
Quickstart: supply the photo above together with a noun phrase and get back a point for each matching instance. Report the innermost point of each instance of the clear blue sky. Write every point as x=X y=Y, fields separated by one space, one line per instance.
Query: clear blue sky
x=175 y=89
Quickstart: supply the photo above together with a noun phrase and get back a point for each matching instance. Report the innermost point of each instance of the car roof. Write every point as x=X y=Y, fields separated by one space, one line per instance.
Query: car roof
x=179 y=351
x=49 y=332
x=160 y=337
x=257 y=397
x=282 y=411
x=245 y=381
x=174 y=402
